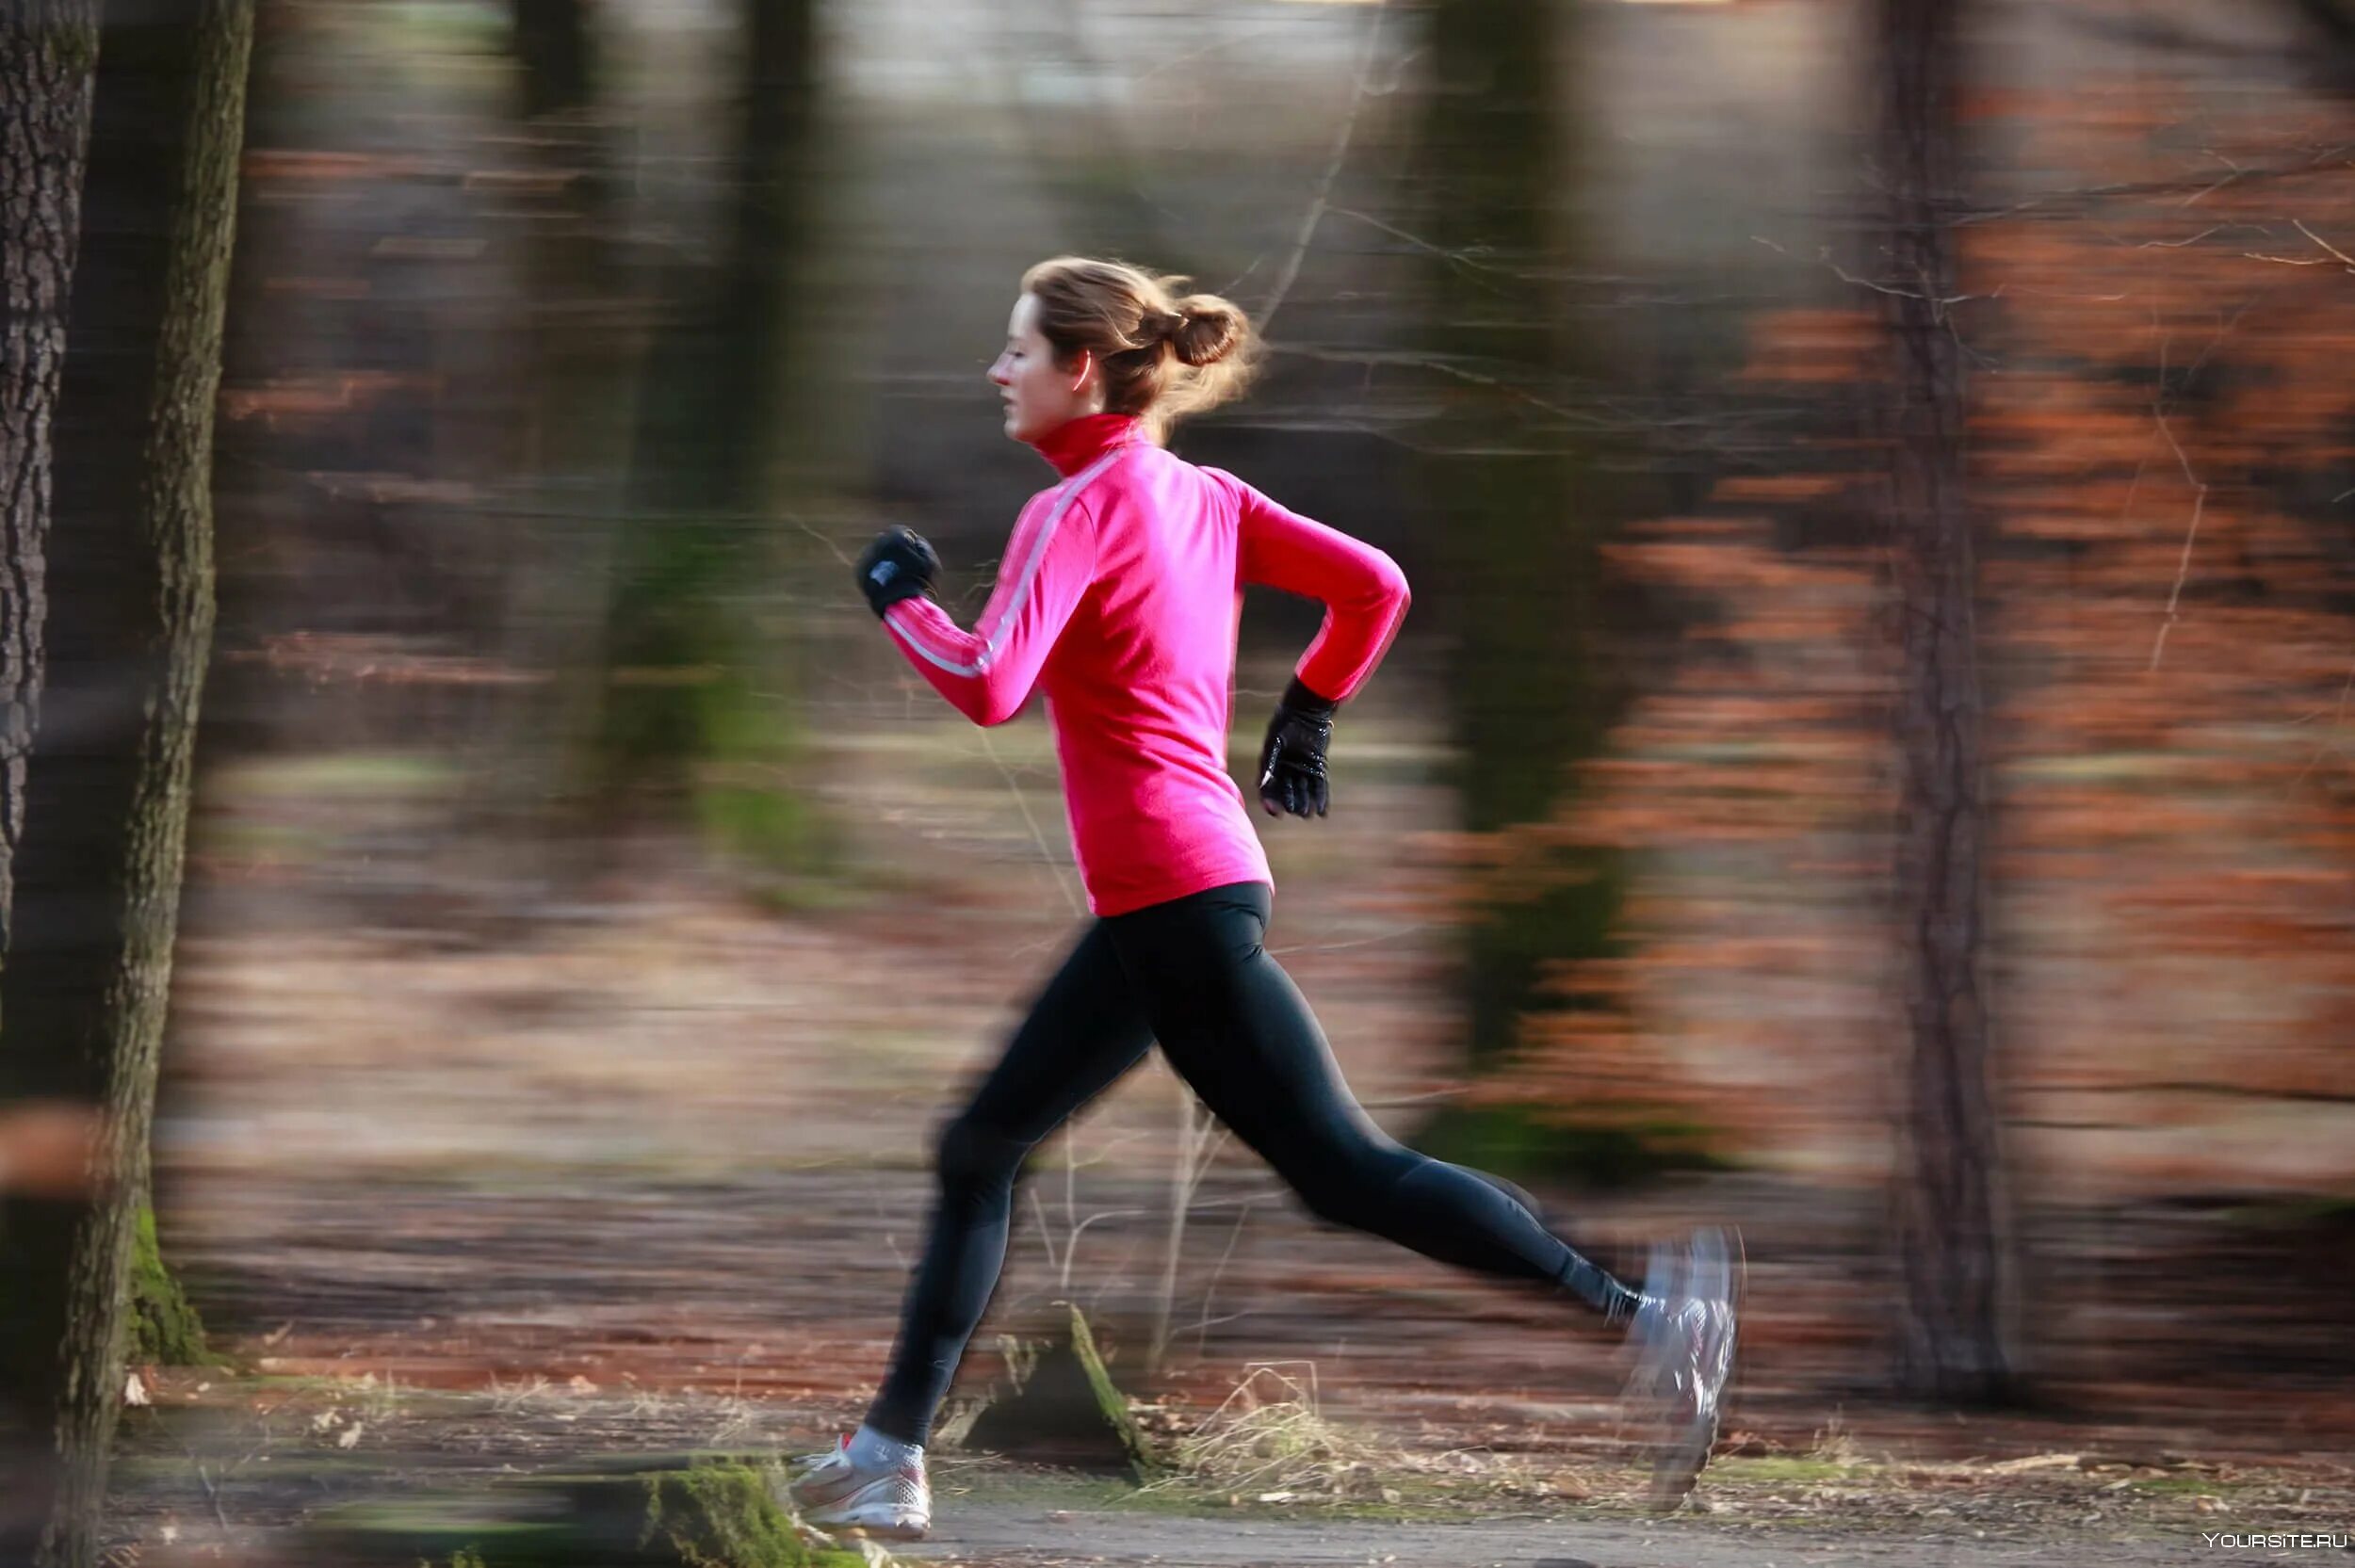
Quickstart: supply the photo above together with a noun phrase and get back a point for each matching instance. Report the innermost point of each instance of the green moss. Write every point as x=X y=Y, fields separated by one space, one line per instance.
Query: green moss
x=1779 y=1470
x=74 y=47
x=1062 y=1406
x=751 y=797
x=720 y=1515
x=2323 y=1211
x=430 y=1531
x=165 y=1330
x=697 y=1511
x=1110 y=1402
x=342 y=776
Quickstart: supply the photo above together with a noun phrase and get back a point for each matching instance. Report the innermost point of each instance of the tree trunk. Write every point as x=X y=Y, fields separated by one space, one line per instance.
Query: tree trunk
x=1949 y=1231
x=1518 y=526
x=133 y=586
x=48 y=57
x=2334 y=19
x=1523 y=507
x=712 y=423
x=557 y=53
x=578 y=339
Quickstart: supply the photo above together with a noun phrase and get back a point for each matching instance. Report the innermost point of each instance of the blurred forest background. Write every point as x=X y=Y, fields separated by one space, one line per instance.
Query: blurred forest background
x=585 y=916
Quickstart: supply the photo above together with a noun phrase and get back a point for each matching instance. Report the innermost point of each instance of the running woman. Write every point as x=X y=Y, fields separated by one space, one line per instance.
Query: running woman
x=1117 y=598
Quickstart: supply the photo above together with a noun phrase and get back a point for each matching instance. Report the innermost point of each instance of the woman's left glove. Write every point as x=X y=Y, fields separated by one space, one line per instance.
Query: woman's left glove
x=897 y=565
x=1292 y=762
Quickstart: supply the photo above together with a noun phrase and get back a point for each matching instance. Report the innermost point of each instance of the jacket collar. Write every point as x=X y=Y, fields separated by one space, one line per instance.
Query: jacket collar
x=1076 y=443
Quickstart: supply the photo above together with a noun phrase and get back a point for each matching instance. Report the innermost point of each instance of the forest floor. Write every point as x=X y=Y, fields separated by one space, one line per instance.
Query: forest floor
x=441 y=1342
x=250 y=1469
x=467 y=1198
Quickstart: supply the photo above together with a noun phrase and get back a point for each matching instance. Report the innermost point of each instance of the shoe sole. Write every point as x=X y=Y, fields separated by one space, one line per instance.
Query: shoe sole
x=876 y=1532
x=1686 y=1455
x=812 y=1512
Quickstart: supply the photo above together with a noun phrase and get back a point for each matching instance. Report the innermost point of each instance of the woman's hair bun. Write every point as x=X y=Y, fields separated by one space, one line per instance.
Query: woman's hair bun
x=1208 y=330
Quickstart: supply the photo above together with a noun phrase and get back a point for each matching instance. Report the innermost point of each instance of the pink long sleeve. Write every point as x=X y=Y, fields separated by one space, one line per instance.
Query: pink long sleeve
x=1118 y=599
x=987 y=672
x=1363 y=592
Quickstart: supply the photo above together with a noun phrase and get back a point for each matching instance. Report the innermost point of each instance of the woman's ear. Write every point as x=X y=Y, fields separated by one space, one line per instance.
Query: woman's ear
x=1087 y=368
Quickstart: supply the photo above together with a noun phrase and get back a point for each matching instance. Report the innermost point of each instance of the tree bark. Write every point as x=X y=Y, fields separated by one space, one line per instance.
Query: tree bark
x=2335 y=19
x=1948 y=1205
x=48 y=59
x=109 y=783
x=556 y=50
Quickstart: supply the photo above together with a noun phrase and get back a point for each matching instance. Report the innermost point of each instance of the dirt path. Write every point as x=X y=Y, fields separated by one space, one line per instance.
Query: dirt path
x=252 y=1470
x=1029 y=1536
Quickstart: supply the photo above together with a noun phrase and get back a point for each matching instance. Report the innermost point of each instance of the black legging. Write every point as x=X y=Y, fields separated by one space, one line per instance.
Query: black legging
x=1191 y=973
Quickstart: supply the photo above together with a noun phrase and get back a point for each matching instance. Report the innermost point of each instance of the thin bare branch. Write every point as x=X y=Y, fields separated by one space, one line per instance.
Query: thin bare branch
x=1045 y=1236
x=1210 y=1292
x=2199 y=503
x=1071 y=1242
x=1315 y=214
x=2325 y=244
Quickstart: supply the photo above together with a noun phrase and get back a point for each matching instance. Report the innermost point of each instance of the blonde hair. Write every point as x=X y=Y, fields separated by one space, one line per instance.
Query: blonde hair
x=1162 y=357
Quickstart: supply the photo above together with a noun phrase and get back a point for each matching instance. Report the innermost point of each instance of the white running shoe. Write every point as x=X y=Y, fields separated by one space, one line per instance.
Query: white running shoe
x=892 y=1502
x=1684 y=1338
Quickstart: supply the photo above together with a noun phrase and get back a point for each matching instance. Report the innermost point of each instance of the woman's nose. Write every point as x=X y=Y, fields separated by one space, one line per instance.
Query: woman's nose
x=998 y=372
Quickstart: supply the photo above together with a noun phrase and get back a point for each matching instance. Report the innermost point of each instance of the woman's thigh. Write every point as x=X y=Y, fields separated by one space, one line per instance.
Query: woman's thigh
x=1085 y=1029
x=1238 y=1030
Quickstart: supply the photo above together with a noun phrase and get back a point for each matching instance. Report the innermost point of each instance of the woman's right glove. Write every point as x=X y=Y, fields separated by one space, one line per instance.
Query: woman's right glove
x=897 y=565
x=1292 y=764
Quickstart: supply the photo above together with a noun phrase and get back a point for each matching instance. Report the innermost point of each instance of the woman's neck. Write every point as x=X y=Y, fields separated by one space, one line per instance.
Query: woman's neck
x=1076 y=443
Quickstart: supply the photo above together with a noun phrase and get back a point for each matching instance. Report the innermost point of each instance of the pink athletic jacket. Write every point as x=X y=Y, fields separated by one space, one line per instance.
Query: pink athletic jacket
x=1118 y=596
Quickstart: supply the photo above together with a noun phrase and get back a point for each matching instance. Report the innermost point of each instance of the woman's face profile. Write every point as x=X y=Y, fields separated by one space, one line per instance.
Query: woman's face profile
x=1039 y=396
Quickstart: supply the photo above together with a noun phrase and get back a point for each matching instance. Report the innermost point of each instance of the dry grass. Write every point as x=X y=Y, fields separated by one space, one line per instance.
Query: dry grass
x=1268 y=1442
x=1835 y=1444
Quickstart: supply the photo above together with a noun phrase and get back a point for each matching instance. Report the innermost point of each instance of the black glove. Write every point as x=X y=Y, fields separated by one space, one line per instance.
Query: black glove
x=1292 y=764
x=897 y=565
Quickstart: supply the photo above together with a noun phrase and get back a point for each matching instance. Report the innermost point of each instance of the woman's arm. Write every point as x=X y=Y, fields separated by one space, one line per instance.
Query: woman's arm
x=987 y=672
x=1363 y=592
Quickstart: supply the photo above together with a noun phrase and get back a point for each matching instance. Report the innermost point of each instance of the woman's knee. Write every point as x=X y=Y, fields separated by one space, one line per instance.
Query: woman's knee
x=1353 y=1185
x=971 y=1154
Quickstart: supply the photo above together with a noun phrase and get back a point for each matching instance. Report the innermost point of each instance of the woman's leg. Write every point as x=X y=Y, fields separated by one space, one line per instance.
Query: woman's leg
x=1084 y=1031
x=1237 y=1029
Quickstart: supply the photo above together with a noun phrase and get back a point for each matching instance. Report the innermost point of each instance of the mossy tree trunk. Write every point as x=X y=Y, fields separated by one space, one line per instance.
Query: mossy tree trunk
x=132 y=590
